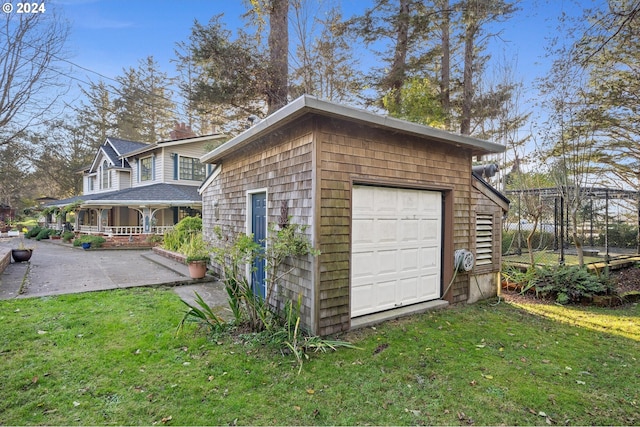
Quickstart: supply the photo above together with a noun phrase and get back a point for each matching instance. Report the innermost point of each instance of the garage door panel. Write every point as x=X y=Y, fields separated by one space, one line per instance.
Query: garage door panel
x=409 y=260
x=360 y=234
x=385 y=262
x=385 y=230
x=429 y=230
x=407 y=230
x=429 y=257
x=360 y=262
x=399 y=230
x=408 y=289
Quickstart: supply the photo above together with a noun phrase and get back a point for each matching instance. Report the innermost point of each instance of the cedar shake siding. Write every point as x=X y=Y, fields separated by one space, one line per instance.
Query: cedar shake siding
x=309 y=156
x=352 y=154
x=281 y=164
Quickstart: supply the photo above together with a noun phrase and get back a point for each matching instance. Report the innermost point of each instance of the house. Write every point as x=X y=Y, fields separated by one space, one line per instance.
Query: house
x=387 y=203
x=134 y=188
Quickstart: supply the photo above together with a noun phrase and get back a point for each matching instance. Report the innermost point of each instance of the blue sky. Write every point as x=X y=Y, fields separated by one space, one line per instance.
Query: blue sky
x=109 y=35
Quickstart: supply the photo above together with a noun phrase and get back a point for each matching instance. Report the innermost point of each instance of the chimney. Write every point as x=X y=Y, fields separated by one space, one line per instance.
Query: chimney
x=181 y=131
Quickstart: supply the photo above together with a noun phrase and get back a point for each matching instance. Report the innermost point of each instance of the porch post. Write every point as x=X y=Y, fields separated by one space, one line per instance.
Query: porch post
x=146 y=219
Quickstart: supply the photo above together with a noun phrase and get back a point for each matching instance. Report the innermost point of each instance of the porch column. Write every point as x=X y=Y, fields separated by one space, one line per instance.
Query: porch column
x=147 y=215
x=102 y=218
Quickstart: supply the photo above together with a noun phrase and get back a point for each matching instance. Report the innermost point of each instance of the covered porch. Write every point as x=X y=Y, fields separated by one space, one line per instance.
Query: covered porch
x=149 y=210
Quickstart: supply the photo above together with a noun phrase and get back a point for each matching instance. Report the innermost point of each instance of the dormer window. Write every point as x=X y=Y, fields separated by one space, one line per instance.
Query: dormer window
x=146 y=169
x=104 y=181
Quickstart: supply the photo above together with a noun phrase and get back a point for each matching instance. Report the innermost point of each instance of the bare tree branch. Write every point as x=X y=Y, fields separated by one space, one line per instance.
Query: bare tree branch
x=30 y=83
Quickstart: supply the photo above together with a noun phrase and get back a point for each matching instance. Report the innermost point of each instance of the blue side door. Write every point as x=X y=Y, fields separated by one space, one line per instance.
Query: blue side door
x=259 y=231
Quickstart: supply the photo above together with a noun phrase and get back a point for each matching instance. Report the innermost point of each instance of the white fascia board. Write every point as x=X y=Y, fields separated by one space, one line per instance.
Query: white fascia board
x=312 y=104
x=95 y=203
x=214 y=174
x=173 y=143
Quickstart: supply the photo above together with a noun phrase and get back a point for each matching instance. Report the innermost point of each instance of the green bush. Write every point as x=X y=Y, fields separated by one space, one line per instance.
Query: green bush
x=67 y=236
x=96 y=241
x=189 y=224
x=45 y=233
x=620 y=235
x=571 y=284
x=33 y=232
x=181 y=233
x=195 y=249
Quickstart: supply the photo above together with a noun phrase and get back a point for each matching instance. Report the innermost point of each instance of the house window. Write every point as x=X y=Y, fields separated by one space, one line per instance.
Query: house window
x=191 y=169
x=104 y=183
x=484 y=239
x=90 y=183
x=146 y=169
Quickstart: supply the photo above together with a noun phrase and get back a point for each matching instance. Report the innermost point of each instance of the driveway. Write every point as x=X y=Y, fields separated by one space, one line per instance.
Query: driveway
x=58 y=268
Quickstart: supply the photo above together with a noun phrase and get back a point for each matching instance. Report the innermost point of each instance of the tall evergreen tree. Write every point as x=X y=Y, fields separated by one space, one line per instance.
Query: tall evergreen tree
x=609 y=53
x=96 y=115
x=144 y=109
x=324 y=64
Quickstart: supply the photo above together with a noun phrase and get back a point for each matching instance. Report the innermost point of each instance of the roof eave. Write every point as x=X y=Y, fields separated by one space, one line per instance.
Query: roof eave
x=172 y=143
x=309 y=104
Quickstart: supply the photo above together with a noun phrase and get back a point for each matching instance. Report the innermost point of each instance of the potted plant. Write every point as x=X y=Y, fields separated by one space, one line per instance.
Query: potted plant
x=22 y=253
x=68 y=236
x=197 y=255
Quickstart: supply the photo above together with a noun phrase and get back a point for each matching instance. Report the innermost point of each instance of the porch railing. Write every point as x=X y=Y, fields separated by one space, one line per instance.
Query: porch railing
x=123 y=230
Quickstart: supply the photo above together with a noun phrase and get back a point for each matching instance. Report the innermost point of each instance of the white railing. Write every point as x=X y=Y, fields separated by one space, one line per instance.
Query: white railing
x=123 y=230
x=161 y=229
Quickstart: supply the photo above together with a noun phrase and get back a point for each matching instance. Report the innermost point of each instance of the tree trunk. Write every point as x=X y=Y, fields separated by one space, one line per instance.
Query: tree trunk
x=574 y=234
x=277 y=87
x=396 y=76
x=467 y=89
x=445 y=72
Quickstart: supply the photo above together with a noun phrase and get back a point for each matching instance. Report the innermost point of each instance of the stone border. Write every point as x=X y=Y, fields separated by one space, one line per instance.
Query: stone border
x=169 y=254
x=5 y=258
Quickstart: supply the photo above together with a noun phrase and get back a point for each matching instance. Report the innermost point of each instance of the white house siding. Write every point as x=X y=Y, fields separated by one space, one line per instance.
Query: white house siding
x=195 y=151
x=285 y=170
x=123 y=180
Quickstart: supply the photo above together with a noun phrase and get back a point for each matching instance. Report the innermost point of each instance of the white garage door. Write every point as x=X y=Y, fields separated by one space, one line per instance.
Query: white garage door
x=396 y=248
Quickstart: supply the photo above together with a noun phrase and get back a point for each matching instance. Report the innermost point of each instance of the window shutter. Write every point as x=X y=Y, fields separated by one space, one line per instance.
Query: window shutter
x=175 y=166
x=484 y=239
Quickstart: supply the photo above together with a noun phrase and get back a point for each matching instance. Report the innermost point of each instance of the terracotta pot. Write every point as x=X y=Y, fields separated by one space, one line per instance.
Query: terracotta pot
x=21 y=255
x=197 y=269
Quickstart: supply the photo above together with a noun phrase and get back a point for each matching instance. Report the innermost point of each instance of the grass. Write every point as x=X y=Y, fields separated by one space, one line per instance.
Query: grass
x=549 y=258
x=113 y=358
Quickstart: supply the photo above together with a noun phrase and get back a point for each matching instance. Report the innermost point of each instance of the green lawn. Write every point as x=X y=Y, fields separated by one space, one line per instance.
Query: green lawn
x=112 y=358
x=549 y=258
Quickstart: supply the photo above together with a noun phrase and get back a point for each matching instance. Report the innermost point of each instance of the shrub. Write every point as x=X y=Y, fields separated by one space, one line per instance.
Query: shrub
x=189 y=225
x=33 y=232
x=181 y=233
x=571 y=284
x=280 y=327
x=195 y=249
x=96 y=241
x=67 y=236
x=44 y=233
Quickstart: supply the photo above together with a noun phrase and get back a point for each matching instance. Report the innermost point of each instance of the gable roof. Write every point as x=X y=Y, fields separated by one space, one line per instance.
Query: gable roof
x=113 y=149
x=172 y=143
x=307 y=104
x=122 y=146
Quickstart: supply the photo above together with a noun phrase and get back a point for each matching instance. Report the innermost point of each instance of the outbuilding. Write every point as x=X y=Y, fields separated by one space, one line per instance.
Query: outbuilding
x=391 y=205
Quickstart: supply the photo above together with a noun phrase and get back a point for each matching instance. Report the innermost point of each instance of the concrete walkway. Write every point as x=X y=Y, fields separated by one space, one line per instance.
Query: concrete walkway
x=58 y=268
